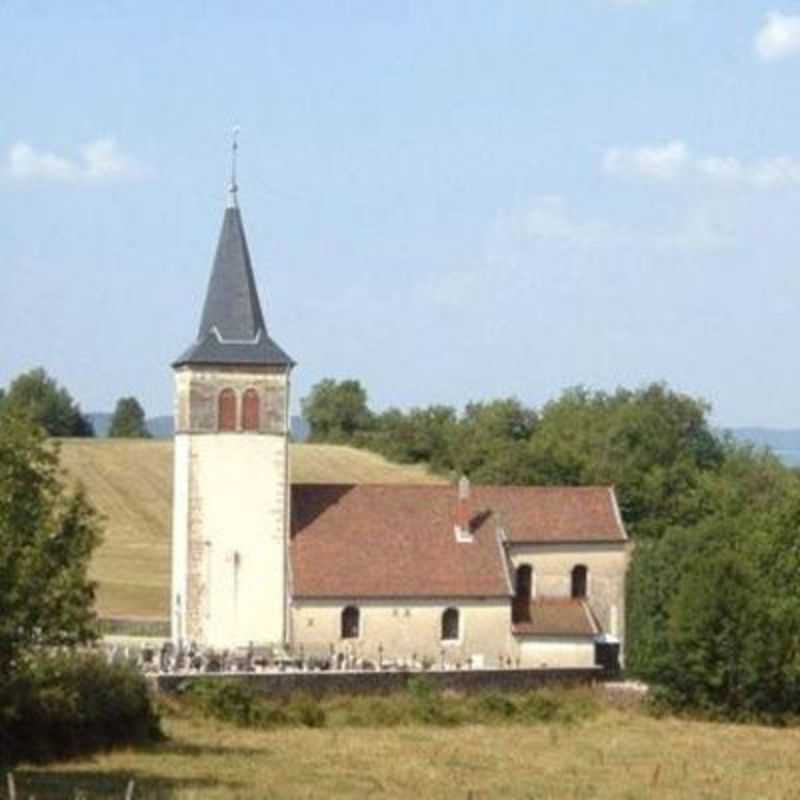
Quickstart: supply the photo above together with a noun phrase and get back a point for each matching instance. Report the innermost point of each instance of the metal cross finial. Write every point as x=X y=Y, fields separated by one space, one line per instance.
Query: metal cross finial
x=234 y=187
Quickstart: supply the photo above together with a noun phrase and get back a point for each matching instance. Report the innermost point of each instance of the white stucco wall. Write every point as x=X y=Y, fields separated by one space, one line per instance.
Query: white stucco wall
x=180 y=535
x=230 y=512
x=541 y=652
x=407 y=628
x=606 y=563
x=240 y=484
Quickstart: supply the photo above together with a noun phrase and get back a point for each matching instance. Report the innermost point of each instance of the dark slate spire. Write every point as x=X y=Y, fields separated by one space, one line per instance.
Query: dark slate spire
x=232 y=307
x=232 y=329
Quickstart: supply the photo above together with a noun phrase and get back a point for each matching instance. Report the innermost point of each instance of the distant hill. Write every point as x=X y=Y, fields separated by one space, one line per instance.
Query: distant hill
x=164 y=427
x=784 y=442
x=300 y=429
x=159 y=427
x=101 y=422
x=130 y=482
x=774 y=438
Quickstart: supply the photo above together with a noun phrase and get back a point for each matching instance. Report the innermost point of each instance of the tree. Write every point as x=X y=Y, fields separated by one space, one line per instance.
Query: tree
x=715 y=636
x=47 y=535
x=128 y=420
x=490 y=443
x=421 y=435
x=653 y=444
x=37 y=395
x=336 y=411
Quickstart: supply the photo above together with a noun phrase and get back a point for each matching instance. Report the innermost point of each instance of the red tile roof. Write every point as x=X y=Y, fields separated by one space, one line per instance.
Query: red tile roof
x=554 y=513
x=550 y=616
x=389 y=541
x=399 y=540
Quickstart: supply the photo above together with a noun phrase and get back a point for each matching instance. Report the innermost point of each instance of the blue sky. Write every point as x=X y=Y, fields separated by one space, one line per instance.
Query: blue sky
x=449 y=201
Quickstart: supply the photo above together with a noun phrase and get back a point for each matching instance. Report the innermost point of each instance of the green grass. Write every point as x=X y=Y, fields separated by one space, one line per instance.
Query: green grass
x=616 y=753
x=130 y=482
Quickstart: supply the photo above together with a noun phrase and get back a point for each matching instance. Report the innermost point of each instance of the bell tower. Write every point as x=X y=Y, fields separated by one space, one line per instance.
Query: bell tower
x=231 y=478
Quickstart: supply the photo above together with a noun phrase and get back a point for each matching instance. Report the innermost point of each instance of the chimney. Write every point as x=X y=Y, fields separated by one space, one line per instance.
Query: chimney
x=463 y=512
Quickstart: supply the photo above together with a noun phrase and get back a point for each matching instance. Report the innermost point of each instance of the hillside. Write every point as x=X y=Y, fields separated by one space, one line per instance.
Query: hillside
x=130 y=482
x=784 y=442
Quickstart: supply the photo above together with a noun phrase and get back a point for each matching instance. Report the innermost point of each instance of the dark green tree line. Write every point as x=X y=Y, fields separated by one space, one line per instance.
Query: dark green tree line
x=38 y=396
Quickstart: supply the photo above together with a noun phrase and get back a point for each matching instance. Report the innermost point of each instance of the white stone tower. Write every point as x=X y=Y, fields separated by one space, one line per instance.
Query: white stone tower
x=231 y=493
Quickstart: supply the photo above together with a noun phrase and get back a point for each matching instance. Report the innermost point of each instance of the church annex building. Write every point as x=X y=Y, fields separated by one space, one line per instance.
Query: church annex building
x=443 y=575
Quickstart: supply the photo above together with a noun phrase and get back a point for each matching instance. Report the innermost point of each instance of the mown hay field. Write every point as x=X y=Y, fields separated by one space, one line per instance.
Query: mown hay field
x=618 y=754
x=130 y=482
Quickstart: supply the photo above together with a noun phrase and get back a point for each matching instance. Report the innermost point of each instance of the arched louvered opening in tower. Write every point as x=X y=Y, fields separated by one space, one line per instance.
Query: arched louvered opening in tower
x=250 y=410
x=226 y=410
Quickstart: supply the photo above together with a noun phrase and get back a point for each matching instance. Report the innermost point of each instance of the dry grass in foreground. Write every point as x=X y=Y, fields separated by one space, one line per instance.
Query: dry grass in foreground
x=618 y=754
x=130 y=482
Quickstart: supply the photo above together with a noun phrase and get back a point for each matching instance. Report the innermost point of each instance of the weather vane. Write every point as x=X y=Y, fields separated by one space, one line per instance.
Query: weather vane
x=234 y=188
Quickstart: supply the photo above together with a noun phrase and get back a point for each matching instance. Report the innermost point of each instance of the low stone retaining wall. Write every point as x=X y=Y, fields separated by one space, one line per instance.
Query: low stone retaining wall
x=282 y=684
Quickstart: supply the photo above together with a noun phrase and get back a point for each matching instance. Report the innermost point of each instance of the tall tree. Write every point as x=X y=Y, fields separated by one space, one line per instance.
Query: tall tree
x=128 y=420
x=336 y=410
x=47 y=534
x=38 y=396
x=655 y=445
x=490 y=443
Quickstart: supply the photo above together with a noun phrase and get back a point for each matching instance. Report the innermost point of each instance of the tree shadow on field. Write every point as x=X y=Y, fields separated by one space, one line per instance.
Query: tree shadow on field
x=182 y=748
x=64 y=784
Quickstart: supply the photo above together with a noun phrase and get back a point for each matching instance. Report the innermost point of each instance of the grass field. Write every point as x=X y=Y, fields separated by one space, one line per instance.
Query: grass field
x=130 y=482
x=618 y=754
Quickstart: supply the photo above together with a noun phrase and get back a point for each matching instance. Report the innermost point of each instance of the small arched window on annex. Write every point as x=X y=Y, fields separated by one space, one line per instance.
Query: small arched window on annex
x=451 y=625
x=351 y=623
x=226 y=410
x=523 y=592
x=580 y=581
x=250 y=410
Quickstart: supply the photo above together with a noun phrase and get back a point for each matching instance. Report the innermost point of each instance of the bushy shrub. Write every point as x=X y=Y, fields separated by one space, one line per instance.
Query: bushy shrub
x=64 y=705
x=303 y=709
x=422 y=703
x=497 y=705
x=227 y=701
x=241 y=704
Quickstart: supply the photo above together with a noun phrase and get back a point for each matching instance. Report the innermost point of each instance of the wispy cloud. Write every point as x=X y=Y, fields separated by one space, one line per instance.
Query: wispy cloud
x=548 y=234
x=549 y=219
x=673 y=160
x=99 y=160
x=661 y=162
x=778 y=36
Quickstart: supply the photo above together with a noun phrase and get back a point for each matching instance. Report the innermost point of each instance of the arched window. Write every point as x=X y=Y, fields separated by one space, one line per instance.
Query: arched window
x=450 y=625
x=250 y=410
x=351 y=622
x=521 y=607
x=580 y=580
x=226 y=410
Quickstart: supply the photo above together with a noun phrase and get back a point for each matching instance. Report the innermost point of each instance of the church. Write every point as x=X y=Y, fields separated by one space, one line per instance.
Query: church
x=438 y=575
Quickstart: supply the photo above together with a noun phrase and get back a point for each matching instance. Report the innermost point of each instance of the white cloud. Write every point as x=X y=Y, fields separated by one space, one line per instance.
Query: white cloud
x=548 y=219
x=100 y=160
x=661 y=162
x=778 y=37
x=674 y=159
x=549 y=235
x=25 y=162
